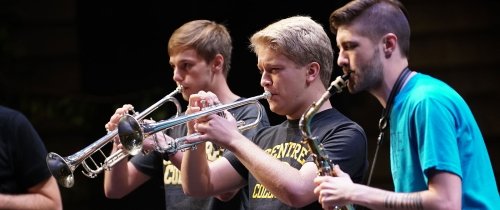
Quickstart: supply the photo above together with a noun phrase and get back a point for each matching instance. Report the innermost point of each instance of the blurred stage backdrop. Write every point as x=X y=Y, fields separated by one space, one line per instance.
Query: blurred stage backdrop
x=68 y=64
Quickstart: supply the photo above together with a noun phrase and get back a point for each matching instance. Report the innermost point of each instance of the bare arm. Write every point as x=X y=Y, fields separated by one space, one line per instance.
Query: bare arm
x=293 y=187
x=123 y=177
x=445 y=192
x=203 y=178
x=44 y=195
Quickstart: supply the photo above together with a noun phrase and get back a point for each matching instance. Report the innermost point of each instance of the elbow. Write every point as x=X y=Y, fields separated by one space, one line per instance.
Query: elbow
x=226 y=196
x=196 y=190
x=443 y=202
x=295 y=200
x=58 y=204
x=448 y=205
x=113 y=194
x=297 y=203
x=192 y=192
x=187 y=190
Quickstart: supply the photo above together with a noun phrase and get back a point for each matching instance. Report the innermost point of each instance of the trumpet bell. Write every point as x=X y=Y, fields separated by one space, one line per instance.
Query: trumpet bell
x=60 y=169
x=131 y=134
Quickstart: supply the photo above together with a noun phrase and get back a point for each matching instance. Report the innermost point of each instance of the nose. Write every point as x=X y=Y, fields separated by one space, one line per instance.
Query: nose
x=342 y=59
x=265 y=80
x=177 y=75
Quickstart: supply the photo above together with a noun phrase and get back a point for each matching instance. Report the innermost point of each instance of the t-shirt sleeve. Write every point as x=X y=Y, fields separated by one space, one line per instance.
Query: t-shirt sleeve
x=150 y=164
x=345 y=145
x=237 y=165
x=436 y=137
x=30 y=153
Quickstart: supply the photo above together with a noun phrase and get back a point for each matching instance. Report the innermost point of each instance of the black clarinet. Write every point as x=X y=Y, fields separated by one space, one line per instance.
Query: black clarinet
x=324 y=164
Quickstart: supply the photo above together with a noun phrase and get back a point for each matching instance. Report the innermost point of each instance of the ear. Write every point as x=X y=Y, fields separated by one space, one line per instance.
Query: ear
x=312 y=72
x=389 y=44
x=218 y=63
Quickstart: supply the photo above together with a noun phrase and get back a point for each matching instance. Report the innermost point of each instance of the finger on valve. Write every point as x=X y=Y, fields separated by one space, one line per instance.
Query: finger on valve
x=117 y=143
x=110 y=126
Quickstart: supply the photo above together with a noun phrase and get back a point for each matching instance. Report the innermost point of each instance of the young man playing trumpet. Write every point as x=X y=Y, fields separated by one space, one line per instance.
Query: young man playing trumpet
x=200 y=54
x=295 y=58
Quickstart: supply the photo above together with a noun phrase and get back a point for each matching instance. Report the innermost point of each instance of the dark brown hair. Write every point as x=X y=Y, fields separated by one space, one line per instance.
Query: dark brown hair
x=378 y=18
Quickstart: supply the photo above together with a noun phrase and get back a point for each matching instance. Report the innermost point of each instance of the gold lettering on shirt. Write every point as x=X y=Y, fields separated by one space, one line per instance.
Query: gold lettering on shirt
x=259 y=191
x=292 y=150
x=172 y=175
x=296 y=151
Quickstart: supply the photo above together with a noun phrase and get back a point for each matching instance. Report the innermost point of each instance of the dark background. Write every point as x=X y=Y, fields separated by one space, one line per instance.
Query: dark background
x=68 y=64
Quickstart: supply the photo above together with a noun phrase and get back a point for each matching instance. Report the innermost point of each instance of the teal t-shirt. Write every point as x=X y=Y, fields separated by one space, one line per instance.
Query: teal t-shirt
x=433 y=128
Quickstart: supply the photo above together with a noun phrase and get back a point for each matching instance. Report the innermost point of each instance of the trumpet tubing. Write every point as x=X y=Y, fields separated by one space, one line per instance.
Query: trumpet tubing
x=180 y=144
x=62 y=168
x=130 y=130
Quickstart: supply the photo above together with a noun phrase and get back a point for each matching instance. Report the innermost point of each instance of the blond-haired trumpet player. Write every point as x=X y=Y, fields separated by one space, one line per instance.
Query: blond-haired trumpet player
x=200 y=54
x=295 y=58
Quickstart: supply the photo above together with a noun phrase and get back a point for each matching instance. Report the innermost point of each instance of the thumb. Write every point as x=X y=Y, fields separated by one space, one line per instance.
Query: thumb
x=229 y=116
x=339 y=172
x=319 y=179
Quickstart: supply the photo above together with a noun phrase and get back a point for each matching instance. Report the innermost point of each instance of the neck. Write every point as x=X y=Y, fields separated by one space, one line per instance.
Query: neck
x=221 y=89
x=389 y=77
x=316 y=95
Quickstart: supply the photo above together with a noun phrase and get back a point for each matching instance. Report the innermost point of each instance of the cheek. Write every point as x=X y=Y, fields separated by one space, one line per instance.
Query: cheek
x=355 y=61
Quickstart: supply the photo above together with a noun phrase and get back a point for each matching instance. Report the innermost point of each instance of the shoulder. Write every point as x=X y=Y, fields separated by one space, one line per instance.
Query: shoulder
x=334 y=124
x=334 y=118
x=11 y=119
x=270 y=130
x=423 y=89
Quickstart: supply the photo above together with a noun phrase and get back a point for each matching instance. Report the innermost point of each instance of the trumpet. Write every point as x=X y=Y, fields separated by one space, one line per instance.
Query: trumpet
x=324 y=164
x=62 y=168
x=180 y=144
x=130 y=130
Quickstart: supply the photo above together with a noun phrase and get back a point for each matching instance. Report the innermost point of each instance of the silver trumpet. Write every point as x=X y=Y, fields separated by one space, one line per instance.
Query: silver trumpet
x=130 y=130
x=62 y=168
x=180 y=144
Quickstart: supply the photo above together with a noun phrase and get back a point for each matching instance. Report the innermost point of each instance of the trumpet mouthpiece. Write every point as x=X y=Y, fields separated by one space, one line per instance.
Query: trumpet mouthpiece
x=267 y=94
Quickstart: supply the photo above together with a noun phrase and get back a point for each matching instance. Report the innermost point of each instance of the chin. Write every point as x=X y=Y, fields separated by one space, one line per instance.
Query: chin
x=185 y=95
x=275 y=109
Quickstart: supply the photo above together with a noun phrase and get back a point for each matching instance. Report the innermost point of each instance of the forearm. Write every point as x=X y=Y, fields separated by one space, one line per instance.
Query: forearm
x=195 y=172
x=27 y=201
x=176 y=159
x=288 y=184
x=381 y=199
x=116 y=179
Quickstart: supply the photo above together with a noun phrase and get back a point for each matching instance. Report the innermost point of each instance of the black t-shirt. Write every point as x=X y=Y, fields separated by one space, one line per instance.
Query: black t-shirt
x=175 y=198
x=22 y=153
x=344 y=141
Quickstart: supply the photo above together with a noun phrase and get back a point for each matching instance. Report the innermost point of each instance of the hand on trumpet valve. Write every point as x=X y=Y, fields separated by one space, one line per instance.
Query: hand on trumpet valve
x=115 y=118
x=197 y=102
x=203 y=99
x=157 y=142
x=216 y=128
